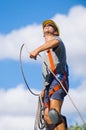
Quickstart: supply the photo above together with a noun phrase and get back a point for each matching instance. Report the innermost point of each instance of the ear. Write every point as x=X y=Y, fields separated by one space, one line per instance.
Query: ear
x=56 y=33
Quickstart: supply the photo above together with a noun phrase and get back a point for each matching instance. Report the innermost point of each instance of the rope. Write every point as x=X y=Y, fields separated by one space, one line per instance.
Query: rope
x=39 y=121
x=65 y=91
x=35 y=94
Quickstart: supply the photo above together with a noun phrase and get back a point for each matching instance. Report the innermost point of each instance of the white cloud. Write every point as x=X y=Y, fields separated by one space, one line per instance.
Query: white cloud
x=11 y=43
x=18 y=107
x=18 y=100
x=16 y=123
x=72 y=28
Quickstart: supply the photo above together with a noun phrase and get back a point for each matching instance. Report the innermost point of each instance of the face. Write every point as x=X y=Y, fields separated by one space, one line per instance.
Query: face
x=48 y=29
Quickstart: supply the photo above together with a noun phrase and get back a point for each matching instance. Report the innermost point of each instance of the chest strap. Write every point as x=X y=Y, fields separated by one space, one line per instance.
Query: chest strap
x=52 y=65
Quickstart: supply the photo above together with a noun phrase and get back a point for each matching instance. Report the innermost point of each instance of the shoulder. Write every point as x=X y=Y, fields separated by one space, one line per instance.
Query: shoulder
x=58 y=38
x=60 y=45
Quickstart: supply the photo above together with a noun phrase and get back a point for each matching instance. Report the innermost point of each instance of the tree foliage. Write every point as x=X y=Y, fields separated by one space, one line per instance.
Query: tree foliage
x=77 y=127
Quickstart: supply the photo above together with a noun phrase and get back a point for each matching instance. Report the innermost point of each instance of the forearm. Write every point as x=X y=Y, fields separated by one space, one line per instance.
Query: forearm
x=47 y=45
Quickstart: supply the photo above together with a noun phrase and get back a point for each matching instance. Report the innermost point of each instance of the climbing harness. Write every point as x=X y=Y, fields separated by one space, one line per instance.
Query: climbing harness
x=39 y=121
x=64 y=90
x=53 y=67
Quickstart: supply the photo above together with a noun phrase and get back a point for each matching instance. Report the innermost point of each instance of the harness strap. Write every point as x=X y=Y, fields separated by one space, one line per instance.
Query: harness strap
x=46 y=104
x=57 y=87
x=53 y=67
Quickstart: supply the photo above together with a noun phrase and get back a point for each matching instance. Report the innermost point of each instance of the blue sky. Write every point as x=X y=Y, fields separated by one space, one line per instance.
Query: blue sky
x=15 y=13
x=20 y=22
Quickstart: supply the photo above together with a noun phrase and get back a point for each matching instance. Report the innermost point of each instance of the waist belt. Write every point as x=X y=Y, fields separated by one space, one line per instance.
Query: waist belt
x=57 y=87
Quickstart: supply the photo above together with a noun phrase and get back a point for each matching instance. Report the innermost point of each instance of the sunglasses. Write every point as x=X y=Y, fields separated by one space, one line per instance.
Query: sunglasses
x=49 y=25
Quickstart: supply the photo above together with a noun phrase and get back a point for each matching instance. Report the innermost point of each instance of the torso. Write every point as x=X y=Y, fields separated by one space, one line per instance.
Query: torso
x=59 y=57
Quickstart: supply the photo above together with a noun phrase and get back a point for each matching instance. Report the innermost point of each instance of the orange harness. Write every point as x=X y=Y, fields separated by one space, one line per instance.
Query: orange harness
x=57 y=87
x=52 y=65
x=53 y=68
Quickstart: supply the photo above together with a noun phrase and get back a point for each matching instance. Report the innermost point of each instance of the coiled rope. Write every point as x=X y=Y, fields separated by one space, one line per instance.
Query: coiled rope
x=35 y=94
x=39 y=120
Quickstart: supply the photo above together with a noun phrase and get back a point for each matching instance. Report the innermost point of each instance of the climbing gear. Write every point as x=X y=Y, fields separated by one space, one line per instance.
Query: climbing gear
x=39 y=116
x=53 y=67
x=39 y=121
x=57 y=87
x=35 y=94
x=52 y=23
x=64 y=90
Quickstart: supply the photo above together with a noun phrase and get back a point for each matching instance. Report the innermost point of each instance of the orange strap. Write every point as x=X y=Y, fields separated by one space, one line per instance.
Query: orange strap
x=56 y=88
x=53 y=68
x=46 y=104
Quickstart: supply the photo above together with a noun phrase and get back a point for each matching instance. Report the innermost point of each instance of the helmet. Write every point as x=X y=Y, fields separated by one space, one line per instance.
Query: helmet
x=52 y=23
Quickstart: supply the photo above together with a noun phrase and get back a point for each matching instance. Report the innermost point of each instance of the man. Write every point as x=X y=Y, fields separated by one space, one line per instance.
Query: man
x=53 y=93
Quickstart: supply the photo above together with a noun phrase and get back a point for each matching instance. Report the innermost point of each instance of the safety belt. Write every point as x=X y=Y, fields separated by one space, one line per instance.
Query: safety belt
x=53 y=68
x=52 y=65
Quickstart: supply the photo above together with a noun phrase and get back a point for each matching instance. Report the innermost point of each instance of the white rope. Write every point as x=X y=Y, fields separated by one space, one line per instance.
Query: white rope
x=62 y=87
x=39 y=121
x=64 y=90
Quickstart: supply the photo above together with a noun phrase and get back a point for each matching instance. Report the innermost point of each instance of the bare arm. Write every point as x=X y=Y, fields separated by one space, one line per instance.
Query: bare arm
x=47 y=45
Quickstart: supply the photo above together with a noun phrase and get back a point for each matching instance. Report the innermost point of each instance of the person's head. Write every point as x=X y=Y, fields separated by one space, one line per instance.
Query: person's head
x=49 y=26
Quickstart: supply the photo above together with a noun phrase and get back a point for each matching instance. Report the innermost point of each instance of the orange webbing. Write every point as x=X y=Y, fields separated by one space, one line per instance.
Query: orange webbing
x=46 y=104
x=53 y=68
x=56 y=88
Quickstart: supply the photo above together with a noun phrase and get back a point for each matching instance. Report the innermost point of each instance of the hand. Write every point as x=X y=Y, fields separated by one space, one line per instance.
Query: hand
x=34 y=54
